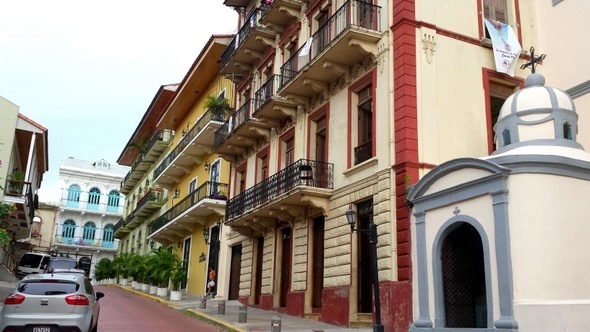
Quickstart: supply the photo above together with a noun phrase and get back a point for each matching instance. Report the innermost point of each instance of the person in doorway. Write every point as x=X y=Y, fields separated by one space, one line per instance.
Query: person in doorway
x=211 y=281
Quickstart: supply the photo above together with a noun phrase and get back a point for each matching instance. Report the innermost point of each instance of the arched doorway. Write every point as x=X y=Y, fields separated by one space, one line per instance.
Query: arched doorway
x=463 y=275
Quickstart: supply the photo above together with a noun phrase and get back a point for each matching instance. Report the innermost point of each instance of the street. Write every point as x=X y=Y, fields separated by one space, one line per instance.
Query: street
x=121 y=310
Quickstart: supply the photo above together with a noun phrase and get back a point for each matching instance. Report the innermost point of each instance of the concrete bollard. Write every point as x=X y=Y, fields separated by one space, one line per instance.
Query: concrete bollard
x=203 y=304
x=243 y=314
x=275 y=324
x=221 y=308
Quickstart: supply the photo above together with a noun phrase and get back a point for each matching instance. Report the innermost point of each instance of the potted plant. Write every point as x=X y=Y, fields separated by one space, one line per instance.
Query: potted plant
x=218 y=106
x=16 y=182
x=162 y=270
x=177 y=277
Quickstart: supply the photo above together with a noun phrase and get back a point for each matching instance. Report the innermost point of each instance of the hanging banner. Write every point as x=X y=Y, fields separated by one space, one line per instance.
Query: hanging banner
x=505 y=45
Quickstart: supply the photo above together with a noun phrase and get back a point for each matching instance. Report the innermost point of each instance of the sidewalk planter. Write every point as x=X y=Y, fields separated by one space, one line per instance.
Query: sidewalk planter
x=134 y=284
x=123 y=282
x=153 y=289
x=175 y=295
x=145 y=287
x=162 y=291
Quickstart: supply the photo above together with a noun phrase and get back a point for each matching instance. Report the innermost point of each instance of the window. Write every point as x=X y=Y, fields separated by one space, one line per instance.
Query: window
x=68 y=229
x=567 y=131
x=108 y=238
x=73 y=199
x=89 y=231
x=192 y=185
x=495 y=10
x=364 y=149
x=498 y=89
x=93 y=198
x=113 y=201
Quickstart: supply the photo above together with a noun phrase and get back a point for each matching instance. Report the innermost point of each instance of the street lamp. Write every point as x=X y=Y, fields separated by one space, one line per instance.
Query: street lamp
x=206 y=234
x=372 y=231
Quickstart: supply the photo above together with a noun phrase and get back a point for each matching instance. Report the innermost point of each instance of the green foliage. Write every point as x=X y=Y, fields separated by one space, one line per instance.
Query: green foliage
x=104 y=269
x=218 y=106
x=178 y=273
x=5 y=212
x=121 y=265
x=162 y=269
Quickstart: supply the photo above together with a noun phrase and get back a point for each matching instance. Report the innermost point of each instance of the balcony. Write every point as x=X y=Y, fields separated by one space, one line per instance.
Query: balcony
x=20 y=195
x=270 y=106
x=119 y=231
x=151 y=202
x=195 y=144
x=349 y=35
x=305 y=183
x=248 y=46
x=182 y=218
x=240 y=132
x=97 y=202
x=149 y=154
x=278 y=14
x=77 y=242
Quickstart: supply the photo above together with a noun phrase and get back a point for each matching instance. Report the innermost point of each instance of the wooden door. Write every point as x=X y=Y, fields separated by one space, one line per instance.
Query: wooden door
x=258 y=279
x=285 y=266
x=235 y=272
x=318 y=262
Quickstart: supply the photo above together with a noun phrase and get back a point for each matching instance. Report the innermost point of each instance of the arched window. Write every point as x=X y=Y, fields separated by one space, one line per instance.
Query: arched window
x=89 y=231
x=108 y=239
x=567 y=131
x=93 y=198
x=68 y=230
x=113 y=201
x=506 y=137
x=73 y=199
x=464 y=279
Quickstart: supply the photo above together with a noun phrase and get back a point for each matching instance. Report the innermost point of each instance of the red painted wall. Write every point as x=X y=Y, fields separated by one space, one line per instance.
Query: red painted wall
x=335 y=306
x=266 y=302
x=296 y=304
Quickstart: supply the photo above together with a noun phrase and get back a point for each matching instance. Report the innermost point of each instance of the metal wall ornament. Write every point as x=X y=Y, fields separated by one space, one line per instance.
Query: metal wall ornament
x=429 y=47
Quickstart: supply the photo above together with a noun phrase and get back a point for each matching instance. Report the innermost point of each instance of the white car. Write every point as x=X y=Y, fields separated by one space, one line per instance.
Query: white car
x=52 y=303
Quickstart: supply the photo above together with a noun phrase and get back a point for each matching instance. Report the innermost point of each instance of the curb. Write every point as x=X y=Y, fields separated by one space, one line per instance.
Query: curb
x=201 y=315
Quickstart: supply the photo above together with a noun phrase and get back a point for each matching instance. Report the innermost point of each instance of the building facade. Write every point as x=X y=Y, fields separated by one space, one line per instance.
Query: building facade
x=90 y=205
x=193 y=181
x=24 y=159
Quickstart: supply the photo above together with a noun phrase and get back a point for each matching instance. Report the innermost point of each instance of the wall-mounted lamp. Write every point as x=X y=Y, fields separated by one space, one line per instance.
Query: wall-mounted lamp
x=176 y=192
x=206 y=165
x=350 y=217
x=152 y=243
x=179 y=244
x=206 y=234
x=186 y=130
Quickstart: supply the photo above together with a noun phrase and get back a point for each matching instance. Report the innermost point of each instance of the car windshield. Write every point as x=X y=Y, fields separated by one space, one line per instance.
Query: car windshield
x=48 y=287
x=30 y=260
x=63 y=264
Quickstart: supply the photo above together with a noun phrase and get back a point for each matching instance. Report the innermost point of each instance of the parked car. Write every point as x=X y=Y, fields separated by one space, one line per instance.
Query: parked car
x=52 y=302
x=32 y=263
x=63 y=265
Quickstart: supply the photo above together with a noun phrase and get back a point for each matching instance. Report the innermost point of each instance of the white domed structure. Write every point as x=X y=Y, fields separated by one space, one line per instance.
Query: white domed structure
x=501 y=241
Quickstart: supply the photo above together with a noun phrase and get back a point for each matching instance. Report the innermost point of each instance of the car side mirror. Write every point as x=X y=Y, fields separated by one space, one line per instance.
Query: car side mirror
x=99 y=295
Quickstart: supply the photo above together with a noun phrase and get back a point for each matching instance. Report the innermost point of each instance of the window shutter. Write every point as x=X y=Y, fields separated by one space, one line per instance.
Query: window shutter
x=495 y=10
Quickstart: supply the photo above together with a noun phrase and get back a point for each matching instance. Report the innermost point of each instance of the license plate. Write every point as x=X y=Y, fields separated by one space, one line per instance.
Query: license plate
x=41 y=329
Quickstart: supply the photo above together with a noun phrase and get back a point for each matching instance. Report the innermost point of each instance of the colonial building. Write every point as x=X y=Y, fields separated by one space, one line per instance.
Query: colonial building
x=90 y=205
x=491 y=249
x=23 y=161
x=186 y=213
x=341 y=105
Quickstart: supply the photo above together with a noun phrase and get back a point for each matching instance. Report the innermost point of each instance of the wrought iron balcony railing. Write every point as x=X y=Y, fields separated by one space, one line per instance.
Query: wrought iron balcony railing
x=212 y=190
x=363 y=152
x=250 y=24
x=266 y=91
x=186 y=139
x=243 y=114
x=351 y=13
x=303 y=172
x=160 y=135
x=86 y=242
x=119 y=225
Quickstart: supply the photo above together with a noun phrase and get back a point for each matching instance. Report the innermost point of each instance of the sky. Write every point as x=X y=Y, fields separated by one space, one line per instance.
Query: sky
x=87 y=71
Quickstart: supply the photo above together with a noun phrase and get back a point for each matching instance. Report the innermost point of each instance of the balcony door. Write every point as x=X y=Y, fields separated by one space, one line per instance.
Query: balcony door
x=285 y=266
x=214 y=176
x=185 y=258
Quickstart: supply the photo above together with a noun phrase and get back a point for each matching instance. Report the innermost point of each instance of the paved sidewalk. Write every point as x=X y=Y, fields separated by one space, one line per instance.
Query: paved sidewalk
x=257 y=320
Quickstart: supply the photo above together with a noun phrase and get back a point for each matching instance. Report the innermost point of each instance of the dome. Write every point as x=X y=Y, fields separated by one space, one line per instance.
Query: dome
x=536 y=115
